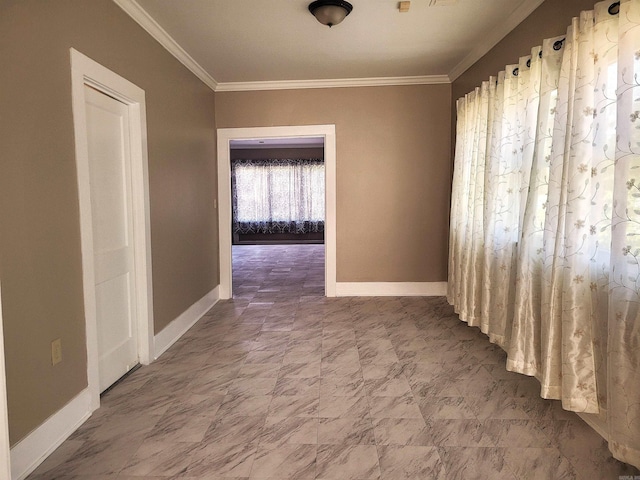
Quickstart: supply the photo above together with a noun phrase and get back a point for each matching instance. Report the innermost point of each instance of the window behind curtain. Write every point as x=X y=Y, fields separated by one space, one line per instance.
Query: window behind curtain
x=278 y=196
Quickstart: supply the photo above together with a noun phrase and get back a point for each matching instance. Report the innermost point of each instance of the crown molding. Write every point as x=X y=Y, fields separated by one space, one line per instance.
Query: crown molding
x=139 y=14
x=497 y=34
x=332 y=83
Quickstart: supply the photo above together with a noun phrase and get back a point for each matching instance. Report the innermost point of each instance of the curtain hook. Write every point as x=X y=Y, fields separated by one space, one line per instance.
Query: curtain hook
x=558 y=44
x=529 y=63
x=540 y=54
x=516 y=71
x=614 y=8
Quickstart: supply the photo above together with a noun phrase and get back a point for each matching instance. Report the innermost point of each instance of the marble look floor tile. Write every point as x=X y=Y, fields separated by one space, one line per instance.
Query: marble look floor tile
x=368 y=333
x=279 y=326
x=516 y=433
x=120 y=426
x=260 y=370
x=164 y=458
x=309 y=338
x=146 y=403
x=271 y=341
x=279 y=462
x=338 y=335
x=347 y=462
x=306 y=323
x=345 y=431
x=377 y=357
x=343 y=386
x=252 y=386
x=402 y=431
x=180 y=428
x=265 y=356
x=297 y=356
x=297 y=386
x=442 y=387
x=388 y=387
x=280 y=362
x=229 y=358
x=244 y=332
x=101 y=457
x=382 y=371
x=341 y=355
x=244 y=405
x=461 y=433
x=224 y=461
x=235 y=429
x=539 y=463
x=195 y=404
x=462 y=463
x=294 y=430
x=445 y=408
x=498 y=407
x=309 y=369
x=404 y=462
x=304 y=406
x=343 y=407
x=404 y=406
x=340 y=369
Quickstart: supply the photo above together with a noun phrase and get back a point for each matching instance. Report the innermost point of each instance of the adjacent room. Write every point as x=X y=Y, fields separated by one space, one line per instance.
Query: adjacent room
x=295 y=239
x=278 y=215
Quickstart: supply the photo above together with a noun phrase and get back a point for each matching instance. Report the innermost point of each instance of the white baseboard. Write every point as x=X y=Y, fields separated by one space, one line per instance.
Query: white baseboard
x=31 y=451
x=391 y=289
x=178 y=327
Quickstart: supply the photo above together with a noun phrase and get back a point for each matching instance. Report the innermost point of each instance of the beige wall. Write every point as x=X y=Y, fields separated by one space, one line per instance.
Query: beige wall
x=549 y=20
x=40 y=260
x=392 y=171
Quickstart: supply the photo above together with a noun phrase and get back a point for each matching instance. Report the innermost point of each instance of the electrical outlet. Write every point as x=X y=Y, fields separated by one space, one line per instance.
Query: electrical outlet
x=56 y=351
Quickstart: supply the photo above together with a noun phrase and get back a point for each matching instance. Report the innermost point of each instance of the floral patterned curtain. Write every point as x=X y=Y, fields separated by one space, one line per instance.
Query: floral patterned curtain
x=278 y=196
x=545 y=219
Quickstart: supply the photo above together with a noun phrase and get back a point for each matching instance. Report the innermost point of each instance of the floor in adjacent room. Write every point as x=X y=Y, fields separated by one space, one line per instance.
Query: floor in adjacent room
x=283 y=383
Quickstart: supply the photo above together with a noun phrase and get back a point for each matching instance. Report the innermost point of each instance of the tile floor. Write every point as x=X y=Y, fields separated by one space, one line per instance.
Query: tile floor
x=282 y=383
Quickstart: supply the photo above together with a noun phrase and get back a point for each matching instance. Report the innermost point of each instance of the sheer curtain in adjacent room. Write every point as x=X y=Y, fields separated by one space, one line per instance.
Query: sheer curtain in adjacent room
x=278 y=196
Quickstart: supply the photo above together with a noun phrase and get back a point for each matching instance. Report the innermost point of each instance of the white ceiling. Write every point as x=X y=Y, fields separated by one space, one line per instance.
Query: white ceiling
x=243 y=44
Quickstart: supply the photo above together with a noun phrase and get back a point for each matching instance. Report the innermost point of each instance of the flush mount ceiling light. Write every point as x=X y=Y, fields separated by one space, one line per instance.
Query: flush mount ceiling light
x=330 y=12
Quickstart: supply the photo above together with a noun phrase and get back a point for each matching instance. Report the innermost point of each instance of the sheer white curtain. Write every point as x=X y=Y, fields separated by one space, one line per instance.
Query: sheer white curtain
x=545 y=221
x=278 y=195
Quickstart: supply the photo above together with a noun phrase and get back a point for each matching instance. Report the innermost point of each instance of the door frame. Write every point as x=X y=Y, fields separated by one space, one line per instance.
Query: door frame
x=85 y=71
x=225 y=135
x=5 y=446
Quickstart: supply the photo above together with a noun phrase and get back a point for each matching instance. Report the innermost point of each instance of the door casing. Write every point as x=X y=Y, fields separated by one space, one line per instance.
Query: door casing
x=225 y=135
x=85 y=71
x=5 y=452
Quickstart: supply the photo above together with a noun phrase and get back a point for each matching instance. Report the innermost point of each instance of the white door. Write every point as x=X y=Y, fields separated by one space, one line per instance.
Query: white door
x=113 y=246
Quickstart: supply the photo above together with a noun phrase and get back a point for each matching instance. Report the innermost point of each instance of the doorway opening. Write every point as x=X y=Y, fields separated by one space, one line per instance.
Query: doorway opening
x=278 y=217
x=228 y=140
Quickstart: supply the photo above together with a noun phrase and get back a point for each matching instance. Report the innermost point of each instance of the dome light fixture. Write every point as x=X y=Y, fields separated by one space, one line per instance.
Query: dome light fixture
x=330 y=12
